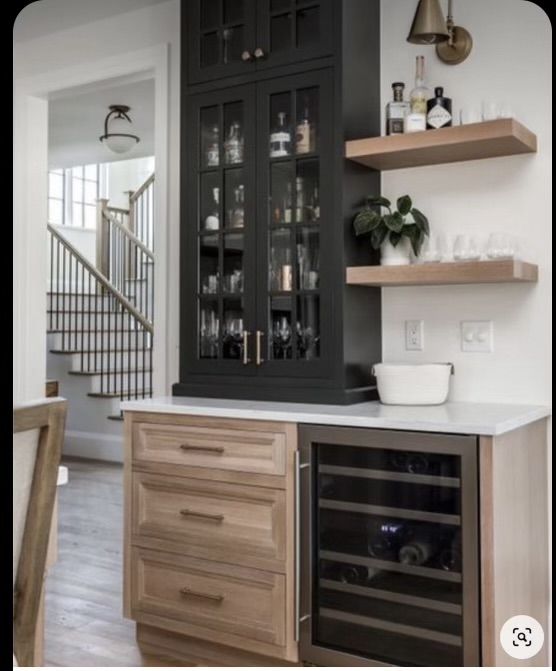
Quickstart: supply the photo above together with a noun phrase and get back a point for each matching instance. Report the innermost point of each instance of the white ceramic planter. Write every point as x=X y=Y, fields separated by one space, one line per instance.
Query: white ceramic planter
x=413 y=384
x=400 y=255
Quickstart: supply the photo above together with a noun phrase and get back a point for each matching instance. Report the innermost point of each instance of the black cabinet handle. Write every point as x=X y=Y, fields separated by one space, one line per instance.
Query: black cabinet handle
x=259 y=53
x=246 y=56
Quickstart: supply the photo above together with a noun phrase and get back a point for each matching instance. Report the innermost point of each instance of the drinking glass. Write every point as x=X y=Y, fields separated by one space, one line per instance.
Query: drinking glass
x=470 y=115
x=501 y=246
x=466 y=248
x=429 y=251
x=491 y=110
x=506 y=111
x=445 y=246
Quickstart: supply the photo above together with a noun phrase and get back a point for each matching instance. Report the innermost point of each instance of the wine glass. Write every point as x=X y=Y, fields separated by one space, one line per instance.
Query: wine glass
x=282 y=335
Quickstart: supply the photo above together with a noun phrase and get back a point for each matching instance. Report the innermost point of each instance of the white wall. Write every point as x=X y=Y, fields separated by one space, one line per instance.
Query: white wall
x=112 y=37
x=510 y=62
x=126 y=176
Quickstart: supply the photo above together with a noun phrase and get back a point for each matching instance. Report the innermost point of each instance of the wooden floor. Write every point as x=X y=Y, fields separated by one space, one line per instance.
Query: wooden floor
x=84 y=623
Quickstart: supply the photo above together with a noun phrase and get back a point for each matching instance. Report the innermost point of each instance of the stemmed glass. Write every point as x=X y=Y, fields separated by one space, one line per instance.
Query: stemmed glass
x=282 y=335
x=233 y=337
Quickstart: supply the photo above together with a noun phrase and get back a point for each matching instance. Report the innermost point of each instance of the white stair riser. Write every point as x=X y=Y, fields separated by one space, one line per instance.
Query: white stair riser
x=60 y=302
x=117 y=382
x=110 y=361
x=97 y=340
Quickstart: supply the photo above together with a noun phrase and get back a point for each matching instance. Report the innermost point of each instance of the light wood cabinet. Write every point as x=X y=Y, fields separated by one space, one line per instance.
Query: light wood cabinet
x=209 y=539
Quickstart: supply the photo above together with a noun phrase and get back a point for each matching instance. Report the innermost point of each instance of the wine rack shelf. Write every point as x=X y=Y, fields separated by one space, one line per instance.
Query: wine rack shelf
x=464 y=272
x=488 y=139
x=367 y=509
x=392 y=476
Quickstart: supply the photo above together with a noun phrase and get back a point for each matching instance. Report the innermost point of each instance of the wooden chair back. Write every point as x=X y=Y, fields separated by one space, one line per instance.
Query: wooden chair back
x=37 y=454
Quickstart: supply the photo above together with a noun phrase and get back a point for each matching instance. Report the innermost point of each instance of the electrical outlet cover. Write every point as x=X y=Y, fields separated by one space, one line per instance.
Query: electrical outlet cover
x=477 y=336
x=414 y=335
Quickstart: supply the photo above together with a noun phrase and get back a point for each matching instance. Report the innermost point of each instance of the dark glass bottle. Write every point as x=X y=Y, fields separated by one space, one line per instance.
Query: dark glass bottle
x=385 y=540
x=439 y=110
x=420 y=547
x=410 y=462
x=450 y=556
x=349 y=573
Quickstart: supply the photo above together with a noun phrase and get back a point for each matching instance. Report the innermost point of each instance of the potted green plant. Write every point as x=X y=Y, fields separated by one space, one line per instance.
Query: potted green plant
x=391 y=231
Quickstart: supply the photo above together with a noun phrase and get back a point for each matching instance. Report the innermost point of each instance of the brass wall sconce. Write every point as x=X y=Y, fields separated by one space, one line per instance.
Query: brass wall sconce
x=453 y=43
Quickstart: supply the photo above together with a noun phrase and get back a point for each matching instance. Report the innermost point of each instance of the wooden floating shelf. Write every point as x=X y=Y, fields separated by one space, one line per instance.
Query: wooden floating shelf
x=466 y=272
x=488 y=139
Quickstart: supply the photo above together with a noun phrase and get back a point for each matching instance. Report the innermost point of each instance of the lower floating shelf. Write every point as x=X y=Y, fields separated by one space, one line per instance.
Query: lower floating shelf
x=465 y=272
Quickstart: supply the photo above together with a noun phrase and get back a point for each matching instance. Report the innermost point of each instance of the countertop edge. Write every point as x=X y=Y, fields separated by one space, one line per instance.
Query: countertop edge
x=481 y=429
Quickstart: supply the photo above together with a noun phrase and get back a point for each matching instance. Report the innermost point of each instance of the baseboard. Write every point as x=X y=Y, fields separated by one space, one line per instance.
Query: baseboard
x=100 y=446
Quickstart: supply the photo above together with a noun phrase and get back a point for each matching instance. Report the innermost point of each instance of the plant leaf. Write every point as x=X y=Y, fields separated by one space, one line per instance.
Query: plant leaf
x=404 y=205
x=394 y=222
x=421 y=221
x=379 y=200
x=378 y=236
x=365 y=221
x=394 y=238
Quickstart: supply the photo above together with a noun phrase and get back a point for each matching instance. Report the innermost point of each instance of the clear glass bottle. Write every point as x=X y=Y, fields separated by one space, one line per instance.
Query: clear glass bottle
x=233 y=147
x=212 y=156
x=280 y=138
x=396 y=110
x=212 y=221
x=299 y=199
x=287 y=209
x=238 y=211
x=304 y=133
x=416 y=120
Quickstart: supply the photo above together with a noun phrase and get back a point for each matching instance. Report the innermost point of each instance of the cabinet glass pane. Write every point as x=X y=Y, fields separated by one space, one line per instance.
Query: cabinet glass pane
x=307 y=121
x=281 y=199
x=234 y=11
x=282 y=336
x=210 y=13
x=389 y=564
x=307 y=27
x=209 y=202
x=308 y=259
x=307 y=192
x=279 y=5
x=281 y=33
x=234 y=133
x=233 y=44
x=232 y=335
x=210 y=52
x=280 y=267
x=308 y=327
x=210 y=137
x=209 y=328
x=209 y=264
x=234 y=247
x=234 y=198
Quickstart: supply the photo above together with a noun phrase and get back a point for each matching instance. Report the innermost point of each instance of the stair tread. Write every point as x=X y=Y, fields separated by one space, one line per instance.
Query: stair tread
x=132 y=394
x=81 y=330
x=100 y=351
x=117 y=371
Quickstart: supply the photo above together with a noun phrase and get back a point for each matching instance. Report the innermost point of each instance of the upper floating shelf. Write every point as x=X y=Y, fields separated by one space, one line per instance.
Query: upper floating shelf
x=488 y=139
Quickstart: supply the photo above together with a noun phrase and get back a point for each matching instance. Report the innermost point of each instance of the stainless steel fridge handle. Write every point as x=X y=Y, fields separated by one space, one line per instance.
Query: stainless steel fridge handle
x=298 y=617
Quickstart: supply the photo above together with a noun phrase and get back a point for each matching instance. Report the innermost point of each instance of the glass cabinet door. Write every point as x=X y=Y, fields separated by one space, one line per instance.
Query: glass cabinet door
x=294 y=215
x=395 y=555
x=221 y=36
x=293 y=30
x=221 y=223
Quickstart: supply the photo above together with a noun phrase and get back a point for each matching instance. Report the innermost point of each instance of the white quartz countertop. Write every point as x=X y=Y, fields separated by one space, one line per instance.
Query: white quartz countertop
x=485 y=419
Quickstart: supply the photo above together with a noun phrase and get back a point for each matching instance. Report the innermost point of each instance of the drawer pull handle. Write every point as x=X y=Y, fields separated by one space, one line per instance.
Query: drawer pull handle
x=202 y=448
x=185 y=591
x=208 y=516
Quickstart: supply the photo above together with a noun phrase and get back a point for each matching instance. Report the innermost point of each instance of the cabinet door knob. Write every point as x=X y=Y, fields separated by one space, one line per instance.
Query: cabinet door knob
x=259 y=53
x=246 y=56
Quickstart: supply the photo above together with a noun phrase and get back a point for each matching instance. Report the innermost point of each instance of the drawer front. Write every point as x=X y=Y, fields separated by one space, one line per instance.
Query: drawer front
x=215 y=520
x=218 y=602
x=205 y=447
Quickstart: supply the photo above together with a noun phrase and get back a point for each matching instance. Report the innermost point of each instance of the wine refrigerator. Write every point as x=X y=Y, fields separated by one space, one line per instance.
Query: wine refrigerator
x=388 y=552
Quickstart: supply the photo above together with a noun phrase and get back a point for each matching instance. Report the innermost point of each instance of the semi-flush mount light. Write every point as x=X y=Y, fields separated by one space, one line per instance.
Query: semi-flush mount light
x=453 y=43
x=116 y=138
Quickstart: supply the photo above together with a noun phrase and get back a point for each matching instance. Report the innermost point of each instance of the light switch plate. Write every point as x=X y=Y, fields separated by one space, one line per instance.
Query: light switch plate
x=477 y=336
x=414 y=335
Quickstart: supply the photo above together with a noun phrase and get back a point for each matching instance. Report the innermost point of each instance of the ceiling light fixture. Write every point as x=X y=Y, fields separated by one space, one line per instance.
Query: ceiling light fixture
x=116 y=138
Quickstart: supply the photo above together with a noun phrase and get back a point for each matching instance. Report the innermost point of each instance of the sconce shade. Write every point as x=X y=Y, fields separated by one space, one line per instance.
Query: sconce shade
x=116 y=137
x=429 y=24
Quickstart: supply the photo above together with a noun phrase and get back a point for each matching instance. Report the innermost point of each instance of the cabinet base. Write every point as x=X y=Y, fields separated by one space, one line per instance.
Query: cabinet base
x=168 y=649
x=280 y=394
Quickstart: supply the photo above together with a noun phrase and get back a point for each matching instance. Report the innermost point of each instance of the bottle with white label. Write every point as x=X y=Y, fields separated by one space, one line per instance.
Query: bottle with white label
x=233 y=147
x=213 y=153
x=416 y=120
x=280 y=138
x=439 y=110
x=304 y=133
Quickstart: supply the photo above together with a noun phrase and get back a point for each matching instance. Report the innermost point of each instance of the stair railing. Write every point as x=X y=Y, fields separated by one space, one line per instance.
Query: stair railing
x=141 y=212
x=127 y=264
x=99 y=323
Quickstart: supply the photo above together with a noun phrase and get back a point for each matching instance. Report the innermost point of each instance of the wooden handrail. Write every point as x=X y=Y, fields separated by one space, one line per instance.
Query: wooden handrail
x=128 y=234
x=102 y=280
x=142 y=188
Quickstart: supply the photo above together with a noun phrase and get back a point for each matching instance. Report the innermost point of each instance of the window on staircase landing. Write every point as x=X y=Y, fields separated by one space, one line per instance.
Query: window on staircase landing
x=73 y=195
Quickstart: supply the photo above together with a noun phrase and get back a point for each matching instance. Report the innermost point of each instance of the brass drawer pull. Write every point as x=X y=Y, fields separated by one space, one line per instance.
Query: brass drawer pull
x=259 y=359
x=246 y=358
x=202 y=448
x=185 y=591
x=209 y=516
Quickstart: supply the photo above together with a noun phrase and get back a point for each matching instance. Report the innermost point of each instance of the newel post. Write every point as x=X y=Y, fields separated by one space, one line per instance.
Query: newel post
x=103 y=242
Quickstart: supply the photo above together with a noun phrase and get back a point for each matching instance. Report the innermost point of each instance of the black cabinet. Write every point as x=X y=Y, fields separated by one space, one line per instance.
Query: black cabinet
x=235 y=37
x=267 y=205
x=390 y=556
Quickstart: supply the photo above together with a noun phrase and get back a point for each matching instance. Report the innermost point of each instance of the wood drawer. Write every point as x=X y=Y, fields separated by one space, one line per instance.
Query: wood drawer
x=222 y=603
x=210 y=447
x=213 y=520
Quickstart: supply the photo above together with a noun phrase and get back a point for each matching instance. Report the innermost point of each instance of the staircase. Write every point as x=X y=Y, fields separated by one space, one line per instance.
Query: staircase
x=100 y=317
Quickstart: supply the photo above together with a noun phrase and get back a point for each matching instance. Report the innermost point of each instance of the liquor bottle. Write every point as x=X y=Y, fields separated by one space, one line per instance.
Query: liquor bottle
x=280 y=138
x=385 y=541
x=287 y=209
x=286 y=273
x=299 y=199
x=416 y=119
x=304 y=133
x=396 y=110
x=238 y=211
x=213 y=152
x=420 y=546
x=439 y=110
x=233 y=147
x=450 y=557
x=212 y=221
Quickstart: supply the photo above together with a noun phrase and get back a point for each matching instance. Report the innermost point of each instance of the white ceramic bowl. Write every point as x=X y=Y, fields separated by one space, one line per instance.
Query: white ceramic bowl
x=413 y=384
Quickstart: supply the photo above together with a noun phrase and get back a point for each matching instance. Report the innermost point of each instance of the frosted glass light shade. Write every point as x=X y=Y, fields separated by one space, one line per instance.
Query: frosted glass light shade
x=116 y=130
x=119 y=144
